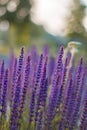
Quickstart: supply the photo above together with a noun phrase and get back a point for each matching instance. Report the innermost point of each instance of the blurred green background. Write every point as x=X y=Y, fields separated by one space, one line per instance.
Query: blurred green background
x=39 y=22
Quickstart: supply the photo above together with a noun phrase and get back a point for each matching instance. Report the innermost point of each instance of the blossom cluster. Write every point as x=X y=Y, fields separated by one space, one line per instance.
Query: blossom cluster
x=40 y=92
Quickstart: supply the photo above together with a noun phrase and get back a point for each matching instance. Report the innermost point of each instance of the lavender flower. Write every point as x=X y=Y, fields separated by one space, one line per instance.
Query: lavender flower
x=51 y=66
x=59 y=66
x=36 y=84
x=40 y=95
x=1 y=79
x=78 y=97
x=78 y=75
x=14 y=112
x=5 y=94
x=25 y=87
x=55 y=87
x=20 y=62
x=66 y=102
x=83 y=122
x=52 y=103
x=13 y=80
x=11 y=64
x=63 y=84
x=40 y=121
x=55 y=95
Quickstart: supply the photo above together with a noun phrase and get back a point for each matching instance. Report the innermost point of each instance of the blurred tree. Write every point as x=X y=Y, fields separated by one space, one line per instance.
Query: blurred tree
x=17 y=13
x=75 y=27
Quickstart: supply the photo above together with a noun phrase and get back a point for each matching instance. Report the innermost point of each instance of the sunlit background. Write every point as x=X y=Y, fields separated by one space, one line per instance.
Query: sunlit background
x=39 y=22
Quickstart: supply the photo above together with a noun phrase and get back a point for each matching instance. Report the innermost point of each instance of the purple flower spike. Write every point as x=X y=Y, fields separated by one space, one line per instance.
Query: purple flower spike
x=44 y=98
x=4 y=94
x=40 y=120
x=52 y=103
x=59 y=66
x=20 y=62
x=67 y=100
x=51 y=66
x=15 y=107
x=34 y=90
x=78 y=96
x=63 y=84
x=40 y=96
x=25 y=87
x=1 y=79
x=83 y=122
x=78 y=75
x=10 y=69
x=13 y=80
x=34 y=61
